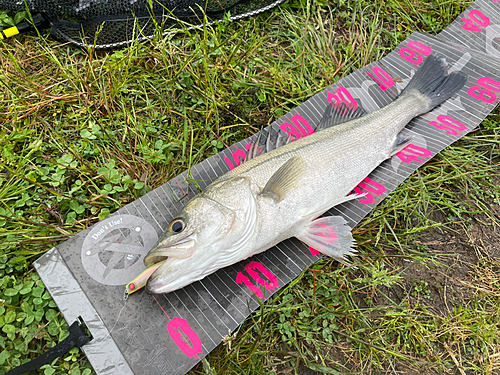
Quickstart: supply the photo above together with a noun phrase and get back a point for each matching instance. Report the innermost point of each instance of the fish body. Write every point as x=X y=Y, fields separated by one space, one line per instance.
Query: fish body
x=279 y=194
x=331 y=162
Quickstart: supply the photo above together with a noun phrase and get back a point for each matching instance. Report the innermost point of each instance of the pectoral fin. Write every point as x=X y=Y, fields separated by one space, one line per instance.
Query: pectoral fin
x=330 y=236
x=284 y=180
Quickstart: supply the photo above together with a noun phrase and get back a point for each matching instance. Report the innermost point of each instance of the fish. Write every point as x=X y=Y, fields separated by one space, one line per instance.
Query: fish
x=282 y=193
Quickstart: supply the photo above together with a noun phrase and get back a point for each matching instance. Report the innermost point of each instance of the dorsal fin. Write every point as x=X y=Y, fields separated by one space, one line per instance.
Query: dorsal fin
x=334 y=115
x=338 y=114
x=268 y=144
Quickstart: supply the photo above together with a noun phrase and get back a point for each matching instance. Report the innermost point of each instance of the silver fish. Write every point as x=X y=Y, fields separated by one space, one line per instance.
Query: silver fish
x=279 y=194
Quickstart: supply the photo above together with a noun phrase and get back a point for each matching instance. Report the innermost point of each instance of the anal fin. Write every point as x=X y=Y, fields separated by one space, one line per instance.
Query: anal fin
x=329 y=235
x=401 y=142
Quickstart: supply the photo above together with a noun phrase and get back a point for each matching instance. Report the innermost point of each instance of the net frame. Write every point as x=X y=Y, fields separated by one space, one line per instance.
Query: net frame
x=110 y=24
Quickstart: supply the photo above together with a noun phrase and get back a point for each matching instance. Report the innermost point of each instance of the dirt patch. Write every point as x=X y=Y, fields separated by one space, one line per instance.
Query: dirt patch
x=466 y=254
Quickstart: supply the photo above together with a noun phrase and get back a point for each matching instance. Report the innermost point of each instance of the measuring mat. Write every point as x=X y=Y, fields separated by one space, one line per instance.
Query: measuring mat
x=169 y=334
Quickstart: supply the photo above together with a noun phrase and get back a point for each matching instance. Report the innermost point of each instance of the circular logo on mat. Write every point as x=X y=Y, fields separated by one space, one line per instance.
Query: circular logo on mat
x=113 y=251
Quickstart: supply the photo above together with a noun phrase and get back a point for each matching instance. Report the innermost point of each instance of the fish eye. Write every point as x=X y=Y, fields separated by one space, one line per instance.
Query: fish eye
x=177 y=225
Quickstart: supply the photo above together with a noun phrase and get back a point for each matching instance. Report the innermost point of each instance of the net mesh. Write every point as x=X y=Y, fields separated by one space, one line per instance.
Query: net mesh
x=106 y=24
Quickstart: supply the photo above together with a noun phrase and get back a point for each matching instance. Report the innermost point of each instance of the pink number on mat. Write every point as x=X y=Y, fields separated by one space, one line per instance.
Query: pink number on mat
x=333 y=99
x=413 y=153
x=449 y=124
x=485 y=95
x=411 y=54
x=346 y=97
x=489 y=83
x=382 y=77
x=482 y=95
x=374 y=187
x=476 y=22
x=302 y=125
x=314 y=252
x=238 y=157
x=291 y=131
x=251 y=269
x=342 y=96
x=242 y=279
x=179 y=328
x=420 y=47
x=299 y=129
x=229 y=163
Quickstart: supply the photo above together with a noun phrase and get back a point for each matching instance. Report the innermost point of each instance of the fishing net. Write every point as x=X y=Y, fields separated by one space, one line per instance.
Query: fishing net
x=106 y=24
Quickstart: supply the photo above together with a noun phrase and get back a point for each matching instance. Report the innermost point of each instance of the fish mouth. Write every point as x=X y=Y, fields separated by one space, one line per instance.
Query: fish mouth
x=169 y=276
x=155 y=284
x=182 y=248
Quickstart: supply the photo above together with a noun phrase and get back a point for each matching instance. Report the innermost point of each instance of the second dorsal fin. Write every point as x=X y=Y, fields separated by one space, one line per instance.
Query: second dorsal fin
x=339 y=113
x=334 y=115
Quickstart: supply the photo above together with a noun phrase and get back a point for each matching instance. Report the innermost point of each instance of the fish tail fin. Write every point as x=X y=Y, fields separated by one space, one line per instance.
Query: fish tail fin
x=434 y=81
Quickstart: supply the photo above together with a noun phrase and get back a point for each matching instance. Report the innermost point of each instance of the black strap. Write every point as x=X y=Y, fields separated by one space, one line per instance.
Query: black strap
x=77 y=337
x=39 y=21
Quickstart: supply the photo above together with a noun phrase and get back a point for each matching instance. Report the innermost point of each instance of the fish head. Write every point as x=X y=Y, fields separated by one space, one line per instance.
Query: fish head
x=207 y=226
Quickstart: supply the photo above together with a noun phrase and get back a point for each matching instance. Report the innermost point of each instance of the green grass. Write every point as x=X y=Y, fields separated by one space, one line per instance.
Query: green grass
x=81 y=135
